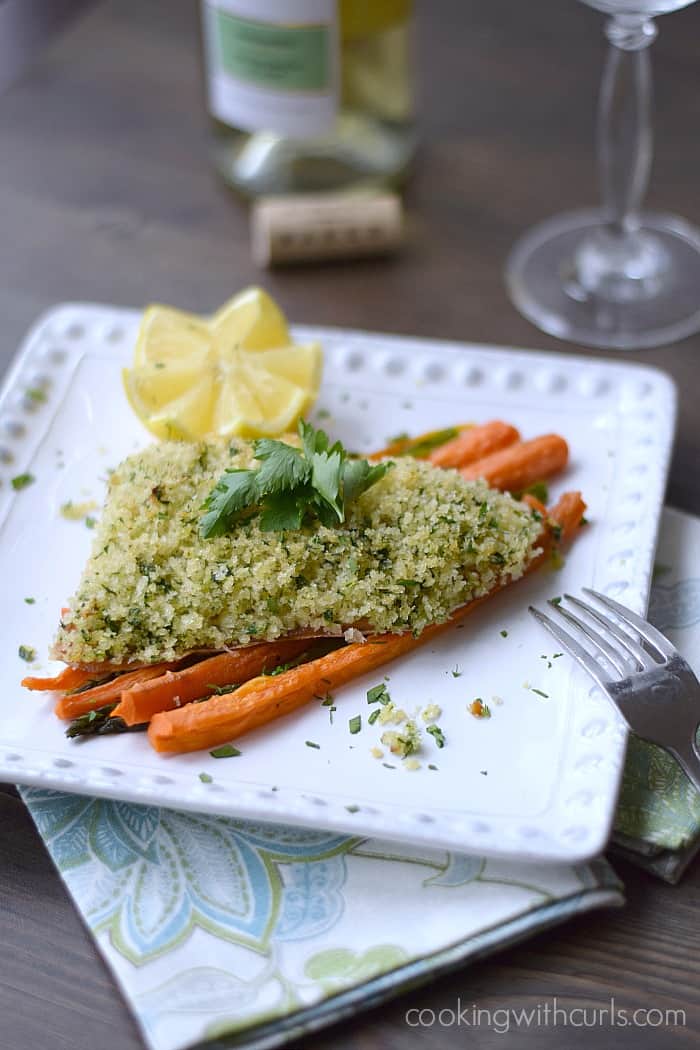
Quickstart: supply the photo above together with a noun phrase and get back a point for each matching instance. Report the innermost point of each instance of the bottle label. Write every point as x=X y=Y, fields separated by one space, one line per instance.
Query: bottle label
x=272 y=65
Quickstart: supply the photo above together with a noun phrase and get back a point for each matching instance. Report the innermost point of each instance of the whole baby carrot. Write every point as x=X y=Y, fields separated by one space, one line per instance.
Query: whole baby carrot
x=514 y=468
x=474 y=444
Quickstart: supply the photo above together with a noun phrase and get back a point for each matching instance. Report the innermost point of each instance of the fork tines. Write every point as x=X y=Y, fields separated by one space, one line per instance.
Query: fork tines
x=621 y=652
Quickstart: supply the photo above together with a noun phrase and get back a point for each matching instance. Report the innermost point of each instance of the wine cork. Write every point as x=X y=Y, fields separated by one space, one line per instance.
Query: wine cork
x=330 y=226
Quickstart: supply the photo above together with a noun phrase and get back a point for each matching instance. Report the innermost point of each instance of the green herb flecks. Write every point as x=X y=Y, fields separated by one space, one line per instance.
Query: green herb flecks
x=504 y=633
x=281 y=668
x=291 y=485
x=26 y=652
x=374 y=715
x=378 y=694
x=206 y=778
x=225 y=751
x=30 y=601
x=437 y=734
x=355 y=724
x=311 y=743
x=21 y=481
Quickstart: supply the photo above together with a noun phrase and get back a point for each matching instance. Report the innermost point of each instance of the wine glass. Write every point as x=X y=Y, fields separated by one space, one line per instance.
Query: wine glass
x=615 y=276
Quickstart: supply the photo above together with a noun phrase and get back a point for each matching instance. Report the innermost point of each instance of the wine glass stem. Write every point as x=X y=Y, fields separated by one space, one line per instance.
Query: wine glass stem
x=624 y=120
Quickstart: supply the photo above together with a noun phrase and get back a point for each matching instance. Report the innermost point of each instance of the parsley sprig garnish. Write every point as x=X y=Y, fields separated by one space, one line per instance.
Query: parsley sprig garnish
x=291 y=486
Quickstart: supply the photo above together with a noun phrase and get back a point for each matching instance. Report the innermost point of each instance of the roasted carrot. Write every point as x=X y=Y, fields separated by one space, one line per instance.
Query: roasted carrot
x=225 y=717
x=171 y=690
x=74 y=704
x=514 y=468
x=68 y=678
x=474 y=444
x=261 y=700
x=567 y=513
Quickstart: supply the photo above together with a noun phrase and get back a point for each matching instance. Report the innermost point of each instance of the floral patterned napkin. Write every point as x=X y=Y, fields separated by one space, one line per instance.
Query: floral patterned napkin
x=214 y=926
x=658 y=814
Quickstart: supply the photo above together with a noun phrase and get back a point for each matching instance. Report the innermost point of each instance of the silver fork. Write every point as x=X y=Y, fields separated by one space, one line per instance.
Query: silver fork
x=647 y=679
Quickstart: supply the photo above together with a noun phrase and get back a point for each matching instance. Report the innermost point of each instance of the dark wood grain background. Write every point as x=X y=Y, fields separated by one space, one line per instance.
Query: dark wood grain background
x=106 y=193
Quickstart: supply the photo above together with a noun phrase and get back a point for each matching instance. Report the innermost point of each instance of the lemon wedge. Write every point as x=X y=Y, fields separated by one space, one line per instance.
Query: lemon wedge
x=235 y=373
x=167 y=336
x=252 y=320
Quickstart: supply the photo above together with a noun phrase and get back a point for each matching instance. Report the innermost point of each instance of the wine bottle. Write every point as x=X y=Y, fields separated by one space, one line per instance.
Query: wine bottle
x=309 y=95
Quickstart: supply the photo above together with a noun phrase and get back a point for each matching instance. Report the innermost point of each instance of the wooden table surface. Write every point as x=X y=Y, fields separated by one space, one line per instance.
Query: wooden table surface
x=106 y=193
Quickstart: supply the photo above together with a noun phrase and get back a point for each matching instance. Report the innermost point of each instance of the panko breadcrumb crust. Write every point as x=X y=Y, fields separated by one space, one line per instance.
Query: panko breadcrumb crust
x=416 y=545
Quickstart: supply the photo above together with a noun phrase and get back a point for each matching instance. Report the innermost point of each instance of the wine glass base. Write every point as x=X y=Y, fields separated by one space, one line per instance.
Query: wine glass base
x=540 y=275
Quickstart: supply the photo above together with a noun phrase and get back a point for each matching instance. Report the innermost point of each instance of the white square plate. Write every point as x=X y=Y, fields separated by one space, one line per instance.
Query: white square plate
x=537 y=780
